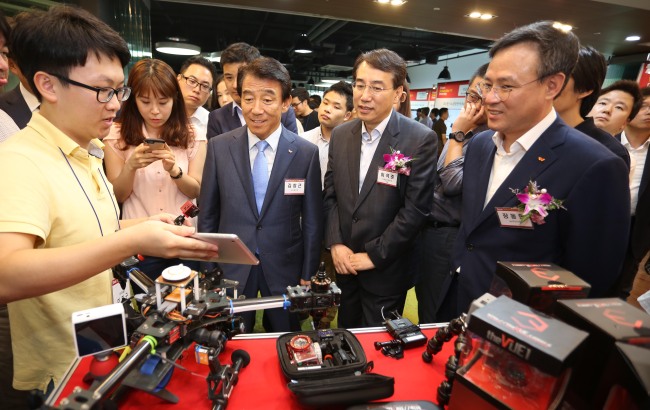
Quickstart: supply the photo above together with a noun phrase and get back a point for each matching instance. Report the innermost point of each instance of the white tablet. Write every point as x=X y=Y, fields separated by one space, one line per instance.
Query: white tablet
x=231 y=248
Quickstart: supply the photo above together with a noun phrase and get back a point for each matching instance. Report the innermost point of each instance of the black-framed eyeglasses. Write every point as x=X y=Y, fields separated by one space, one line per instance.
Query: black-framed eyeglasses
x=193 y=82
x=104 y=94
x=373 y=89
x=502 y=92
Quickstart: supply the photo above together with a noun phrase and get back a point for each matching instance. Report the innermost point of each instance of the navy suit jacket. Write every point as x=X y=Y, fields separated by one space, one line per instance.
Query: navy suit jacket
x=224 y=119
x=13 y=103
x=381 y=220
x=589 y=238
x=289 y=230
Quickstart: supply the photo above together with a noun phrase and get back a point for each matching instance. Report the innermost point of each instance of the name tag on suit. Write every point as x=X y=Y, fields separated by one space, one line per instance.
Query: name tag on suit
x=386 y=177
x=511 y=218
x=294 y=187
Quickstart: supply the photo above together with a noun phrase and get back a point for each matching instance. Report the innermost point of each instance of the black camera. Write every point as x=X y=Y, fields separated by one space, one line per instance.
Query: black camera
x=406 y=332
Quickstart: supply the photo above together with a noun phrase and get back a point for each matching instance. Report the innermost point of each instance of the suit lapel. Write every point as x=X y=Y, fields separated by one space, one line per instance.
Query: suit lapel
x=233 y=118
x=387 y=141
x=535 y=161
x=645 y=177
x=353 y=151
x=241 y=160
x=478 y=186
x=287 y=151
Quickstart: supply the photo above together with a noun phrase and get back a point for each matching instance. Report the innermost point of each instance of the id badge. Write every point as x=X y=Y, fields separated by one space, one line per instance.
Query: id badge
x=294 y=187
x=511 y=218
x=386 y=177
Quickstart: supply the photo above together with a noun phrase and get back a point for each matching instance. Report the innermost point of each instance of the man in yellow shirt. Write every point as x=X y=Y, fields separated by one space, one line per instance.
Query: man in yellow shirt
x=59 y=221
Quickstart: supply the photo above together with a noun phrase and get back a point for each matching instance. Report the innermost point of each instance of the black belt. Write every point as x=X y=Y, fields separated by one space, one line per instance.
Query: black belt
x=438 y=224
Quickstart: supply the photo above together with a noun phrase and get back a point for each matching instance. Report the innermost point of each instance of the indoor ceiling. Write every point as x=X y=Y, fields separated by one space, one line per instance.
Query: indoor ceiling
x=340 y=29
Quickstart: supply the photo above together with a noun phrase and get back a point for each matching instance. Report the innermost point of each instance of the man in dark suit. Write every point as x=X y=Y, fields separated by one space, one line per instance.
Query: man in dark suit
x=20 y=102
x=529 y=67
x=374 y=215
x=230 y=117
x=636 y=140
x=277 y=214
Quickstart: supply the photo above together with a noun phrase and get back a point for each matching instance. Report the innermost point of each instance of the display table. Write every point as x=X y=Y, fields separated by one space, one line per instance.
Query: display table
x=262 y=384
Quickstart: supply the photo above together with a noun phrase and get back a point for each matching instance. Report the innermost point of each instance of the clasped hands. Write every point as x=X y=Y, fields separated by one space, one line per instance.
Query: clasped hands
x=346 y=262
x=143 y=156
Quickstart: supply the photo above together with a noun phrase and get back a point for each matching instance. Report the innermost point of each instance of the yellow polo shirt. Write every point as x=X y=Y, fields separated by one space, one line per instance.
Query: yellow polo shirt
x=56 y=190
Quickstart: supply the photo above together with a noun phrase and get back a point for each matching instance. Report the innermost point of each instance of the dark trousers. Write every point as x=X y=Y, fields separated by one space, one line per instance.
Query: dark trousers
x=273 y=320
x=432 y=264
x=361 y=308
x=10 y=398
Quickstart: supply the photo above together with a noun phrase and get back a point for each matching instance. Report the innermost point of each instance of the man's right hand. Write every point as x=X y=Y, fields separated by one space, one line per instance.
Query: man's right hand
x=341 y=258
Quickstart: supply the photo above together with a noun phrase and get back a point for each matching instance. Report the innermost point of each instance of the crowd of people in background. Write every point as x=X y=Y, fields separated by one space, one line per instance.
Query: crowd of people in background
x=102 y=167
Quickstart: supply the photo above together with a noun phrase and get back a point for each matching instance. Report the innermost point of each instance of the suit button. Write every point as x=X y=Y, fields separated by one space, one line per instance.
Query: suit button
x=355 y=220
x=259 y=227
x=470 y=247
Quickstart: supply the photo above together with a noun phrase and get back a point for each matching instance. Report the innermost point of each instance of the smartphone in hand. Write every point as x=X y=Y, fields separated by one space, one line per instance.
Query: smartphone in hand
x=155 y=143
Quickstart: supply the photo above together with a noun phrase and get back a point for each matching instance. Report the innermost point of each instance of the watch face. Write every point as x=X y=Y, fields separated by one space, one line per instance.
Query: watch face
x=458 y=136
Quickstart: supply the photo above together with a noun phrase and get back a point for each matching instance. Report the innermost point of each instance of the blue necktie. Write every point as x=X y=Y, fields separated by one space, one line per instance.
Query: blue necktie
x=260 y=174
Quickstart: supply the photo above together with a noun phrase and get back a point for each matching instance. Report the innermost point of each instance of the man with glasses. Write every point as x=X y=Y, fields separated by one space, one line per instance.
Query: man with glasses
x=432 y=256
x=531 y=146
x=196 y=80
x=305 y=114
x=60 y=229
x=374 y=214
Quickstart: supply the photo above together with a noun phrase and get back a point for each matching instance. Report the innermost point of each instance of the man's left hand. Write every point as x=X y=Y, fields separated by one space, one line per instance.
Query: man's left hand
x=361 y=261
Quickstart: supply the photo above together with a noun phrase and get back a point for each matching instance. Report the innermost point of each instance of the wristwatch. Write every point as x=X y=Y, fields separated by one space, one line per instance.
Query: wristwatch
x=457 y=136
x=180 y=174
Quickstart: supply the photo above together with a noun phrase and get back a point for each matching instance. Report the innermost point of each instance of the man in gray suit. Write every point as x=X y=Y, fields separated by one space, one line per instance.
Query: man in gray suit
x=374 y=214
x=262 y=182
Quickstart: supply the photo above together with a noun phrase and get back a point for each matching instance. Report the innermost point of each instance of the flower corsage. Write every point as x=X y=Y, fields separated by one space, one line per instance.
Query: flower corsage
x=536 y=203
x=398 y=162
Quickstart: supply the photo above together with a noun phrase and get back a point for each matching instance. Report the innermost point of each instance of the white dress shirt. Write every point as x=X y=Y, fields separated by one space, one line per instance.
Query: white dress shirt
x=237 y=109
x=200 y=121
x=505 y=162
x=315 y=136
x=637 y=157
x=369 y=142
x=269 y=152
x=31 y=100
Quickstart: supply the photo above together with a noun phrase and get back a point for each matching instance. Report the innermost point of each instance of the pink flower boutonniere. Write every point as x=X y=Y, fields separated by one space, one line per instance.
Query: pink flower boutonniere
x=535 y=203
x=398 y=162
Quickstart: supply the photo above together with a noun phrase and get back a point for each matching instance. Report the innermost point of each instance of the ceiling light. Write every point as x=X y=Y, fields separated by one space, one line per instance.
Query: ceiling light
x=632 y=38
x=563 y=27
x=331 y=80
x=182 y=49
x=445 y=74
x=479 y=15
x=303 y=45
x=392 y=2
x=383 y=1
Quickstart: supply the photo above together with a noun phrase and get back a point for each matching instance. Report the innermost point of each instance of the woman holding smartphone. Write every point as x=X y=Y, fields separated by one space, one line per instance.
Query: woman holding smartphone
x=154 y=159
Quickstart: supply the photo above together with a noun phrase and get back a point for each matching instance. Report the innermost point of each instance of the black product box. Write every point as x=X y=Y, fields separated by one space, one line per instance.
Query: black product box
x=607 y=320
x=626 y=381
x=518 y=358
x=537 y=285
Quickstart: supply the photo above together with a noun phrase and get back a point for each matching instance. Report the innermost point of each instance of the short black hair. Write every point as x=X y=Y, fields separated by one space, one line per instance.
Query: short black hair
x=344 y=89
x=558 y=49
x=266 y=68
x=442 y=111
x=588 y=75
x=480 y=72
x=239 y=53
x=202 y=61
x=629 y=87
x=301 y=93
x=435 y=111
x=61 y=38
x=425 y=110
x=314 y=101
x=384 y=60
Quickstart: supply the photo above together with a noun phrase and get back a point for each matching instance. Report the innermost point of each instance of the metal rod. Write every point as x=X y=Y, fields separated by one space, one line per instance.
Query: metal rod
x=140 y=352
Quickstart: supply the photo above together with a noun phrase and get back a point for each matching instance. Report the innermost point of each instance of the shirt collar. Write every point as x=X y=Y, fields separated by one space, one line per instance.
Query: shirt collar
x=234 y=108
x=529 y=138
x=377 y=132
x=201 y=114
x=30 y=99
x=49 y=132
x=626 y=143
x=273 y=139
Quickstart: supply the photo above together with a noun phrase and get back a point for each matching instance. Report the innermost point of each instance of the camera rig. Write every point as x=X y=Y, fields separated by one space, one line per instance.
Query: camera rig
x=173 y=315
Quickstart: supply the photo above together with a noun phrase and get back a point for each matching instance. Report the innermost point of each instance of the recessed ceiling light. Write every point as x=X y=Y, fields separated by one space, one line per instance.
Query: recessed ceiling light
x=632 y=38
x=392 y=2
x=383 y=1
x=479 y=15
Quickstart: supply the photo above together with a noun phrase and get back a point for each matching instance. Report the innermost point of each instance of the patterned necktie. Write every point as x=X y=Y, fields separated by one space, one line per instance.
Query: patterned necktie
x=260 y=174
